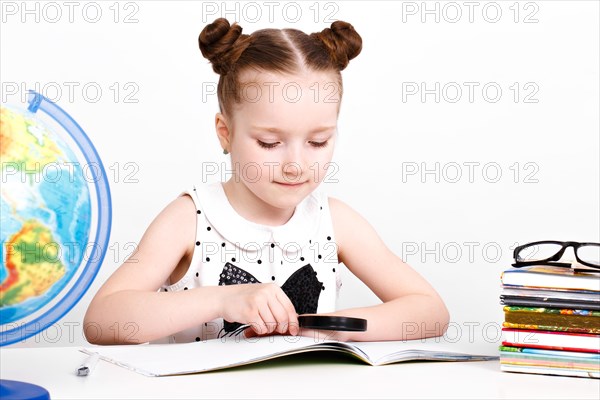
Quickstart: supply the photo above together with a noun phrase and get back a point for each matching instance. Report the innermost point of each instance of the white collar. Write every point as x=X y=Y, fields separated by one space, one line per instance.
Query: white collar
x=292 y=236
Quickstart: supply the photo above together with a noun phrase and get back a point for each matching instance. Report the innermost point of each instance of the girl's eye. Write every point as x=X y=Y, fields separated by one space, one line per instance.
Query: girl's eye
x=273 y=145
x=319 y=144
x=266 y=145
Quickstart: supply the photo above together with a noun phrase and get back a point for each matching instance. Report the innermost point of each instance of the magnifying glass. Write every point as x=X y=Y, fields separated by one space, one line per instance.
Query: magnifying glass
x=332 y=323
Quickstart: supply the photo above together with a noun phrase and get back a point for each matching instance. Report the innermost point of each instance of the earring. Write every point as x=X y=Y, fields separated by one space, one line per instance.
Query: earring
x=225 y=151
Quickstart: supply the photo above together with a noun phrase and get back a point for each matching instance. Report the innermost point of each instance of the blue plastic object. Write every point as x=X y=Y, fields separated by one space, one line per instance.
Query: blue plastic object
x=22 y=390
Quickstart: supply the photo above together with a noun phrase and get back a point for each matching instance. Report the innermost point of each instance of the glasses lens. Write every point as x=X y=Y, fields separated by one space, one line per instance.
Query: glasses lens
x=589 y=253
x=538 y=252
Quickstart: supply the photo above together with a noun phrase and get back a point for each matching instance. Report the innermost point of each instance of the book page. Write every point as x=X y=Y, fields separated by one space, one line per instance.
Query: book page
x=438 y=348
x=183 y=358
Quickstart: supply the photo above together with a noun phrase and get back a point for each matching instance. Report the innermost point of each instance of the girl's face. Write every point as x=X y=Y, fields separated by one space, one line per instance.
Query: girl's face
x=284 y=134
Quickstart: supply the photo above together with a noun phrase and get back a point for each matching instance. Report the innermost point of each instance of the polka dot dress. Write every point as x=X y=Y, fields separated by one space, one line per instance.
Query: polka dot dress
x=299 y=256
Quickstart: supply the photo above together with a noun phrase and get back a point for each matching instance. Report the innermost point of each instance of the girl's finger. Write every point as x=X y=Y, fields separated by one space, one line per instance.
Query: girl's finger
x=281 y=316
x=250 y=333
x=322 y=335
x=292 y=316
x=269 y=323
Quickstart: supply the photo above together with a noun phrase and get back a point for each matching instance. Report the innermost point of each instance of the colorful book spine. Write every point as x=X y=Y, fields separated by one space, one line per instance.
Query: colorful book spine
x=551 y=361
x=551 y=340
x=584 y=321
x=543 y=277
x=511 y=325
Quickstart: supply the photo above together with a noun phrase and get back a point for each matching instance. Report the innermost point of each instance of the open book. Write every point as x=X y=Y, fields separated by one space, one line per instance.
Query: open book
x=203 y=356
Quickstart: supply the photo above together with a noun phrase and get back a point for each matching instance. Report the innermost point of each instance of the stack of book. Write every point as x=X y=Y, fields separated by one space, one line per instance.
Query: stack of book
x=551 y=321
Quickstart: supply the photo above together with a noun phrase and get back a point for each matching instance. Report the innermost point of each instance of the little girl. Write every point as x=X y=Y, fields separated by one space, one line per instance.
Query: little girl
x=264 y=246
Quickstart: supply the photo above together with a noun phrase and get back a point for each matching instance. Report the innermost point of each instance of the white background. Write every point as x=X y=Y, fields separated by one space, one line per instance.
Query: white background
x=458 y=231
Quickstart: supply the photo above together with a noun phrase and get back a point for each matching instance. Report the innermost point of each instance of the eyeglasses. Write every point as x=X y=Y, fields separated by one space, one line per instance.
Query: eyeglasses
x=548 y=252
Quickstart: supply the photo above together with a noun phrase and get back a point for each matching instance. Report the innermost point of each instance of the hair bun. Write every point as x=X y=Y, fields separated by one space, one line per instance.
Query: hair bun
x=222 y=44
x=342 y=42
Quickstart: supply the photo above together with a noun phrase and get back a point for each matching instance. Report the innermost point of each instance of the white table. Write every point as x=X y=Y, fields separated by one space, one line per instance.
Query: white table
x=312 y=375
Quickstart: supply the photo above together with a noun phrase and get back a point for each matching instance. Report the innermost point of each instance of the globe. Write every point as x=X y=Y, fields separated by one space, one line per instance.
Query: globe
x=45 y=219
x=55 y=218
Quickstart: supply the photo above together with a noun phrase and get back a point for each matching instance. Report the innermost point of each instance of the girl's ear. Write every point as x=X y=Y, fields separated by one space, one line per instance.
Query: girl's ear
x=222 y=127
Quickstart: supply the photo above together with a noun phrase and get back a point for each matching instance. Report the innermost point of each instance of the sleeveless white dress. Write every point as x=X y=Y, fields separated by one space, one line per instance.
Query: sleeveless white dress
x=299 y=256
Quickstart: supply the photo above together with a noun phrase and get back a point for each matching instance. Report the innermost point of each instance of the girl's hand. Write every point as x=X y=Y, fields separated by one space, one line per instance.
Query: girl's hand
x=264 y=306
x=319 y=335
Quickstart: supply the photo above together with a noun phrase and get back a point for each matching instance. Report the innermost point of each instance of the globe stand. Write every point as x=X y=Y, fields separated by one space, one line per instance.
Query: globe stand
x=22 y=390
x=11 y=389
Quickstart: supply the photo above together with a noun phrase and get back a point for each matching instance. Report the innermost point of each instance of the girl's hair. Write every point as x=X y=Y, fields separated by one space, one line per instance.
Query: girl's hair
x=286 y=51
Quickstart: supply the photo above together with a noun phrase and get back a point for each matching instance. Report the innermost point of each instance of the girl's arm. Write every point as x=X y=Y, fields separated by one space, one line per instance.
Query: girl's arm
x=128 y=309
x=411 y=307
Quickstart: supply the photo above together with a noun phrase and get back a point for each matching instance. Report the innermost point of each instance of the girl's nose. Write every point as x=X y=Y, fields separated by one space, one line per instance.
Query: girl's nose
x=293 y=166
x=292 y=171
